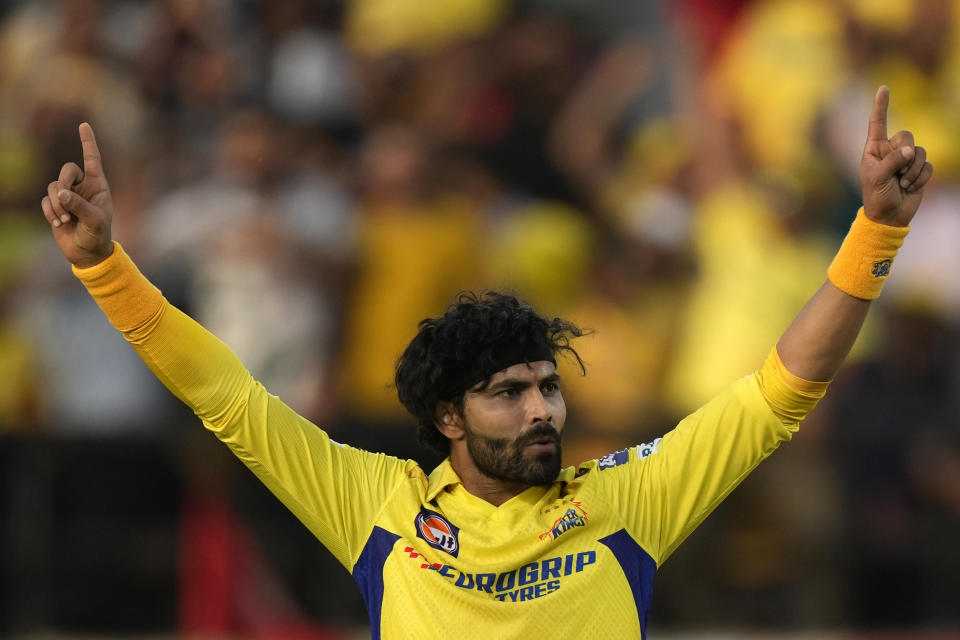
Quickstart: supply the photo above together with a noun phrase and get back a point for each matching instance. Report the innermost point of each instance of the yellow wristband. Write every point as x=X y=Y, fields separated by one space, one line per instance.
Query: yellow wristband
x=865 y=257
x=125 y=296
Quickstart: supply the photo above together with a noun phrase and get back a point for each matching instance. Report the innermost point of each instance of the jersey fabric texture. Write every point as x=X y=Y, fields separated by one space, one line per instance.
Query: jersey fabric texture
x=429 y=557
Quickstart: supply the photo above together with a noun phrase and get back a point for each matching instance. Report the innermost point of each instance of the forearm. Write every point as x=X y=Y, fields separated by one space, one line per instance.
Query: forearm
x=814 y=346
x=190 y=361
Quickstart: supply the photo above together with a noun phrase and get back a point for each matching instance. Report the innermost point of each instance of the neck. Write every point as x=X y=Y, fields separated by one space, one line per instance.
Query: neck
x=494 y=491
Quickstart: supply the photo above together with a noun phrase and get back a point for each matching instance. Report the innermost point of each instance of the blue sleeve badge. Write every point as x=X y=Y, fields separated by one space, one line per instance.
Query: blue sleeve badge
x=614 y=459
x=648 y=448
x=617 y=458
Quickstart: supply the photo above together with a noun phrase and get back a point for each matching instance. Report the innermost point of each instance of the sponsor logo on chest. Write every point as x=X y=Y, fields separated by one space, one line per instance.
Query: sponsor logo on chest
x=437 y=531
x=529 y=582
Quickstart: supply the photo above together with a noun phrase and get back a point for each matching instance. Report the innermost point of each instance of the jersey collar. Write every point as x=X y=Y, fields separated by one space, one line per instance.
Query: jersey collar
x=441 y=478
x=444 y=476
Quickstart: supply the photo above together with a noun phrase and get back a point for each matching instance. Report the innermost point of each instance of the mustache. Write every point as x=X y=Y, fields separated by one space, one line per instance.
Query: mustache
x=544 y=432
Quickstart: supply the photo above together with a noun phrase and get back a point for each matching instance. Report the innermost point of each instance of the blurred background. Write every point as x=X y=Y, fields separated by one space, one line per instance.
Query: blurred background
x=309 y=179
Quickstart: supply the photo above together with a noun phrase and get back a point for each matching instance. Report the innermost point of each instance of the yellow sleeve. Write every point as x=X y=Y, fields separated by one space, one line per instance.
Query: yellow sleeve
x=315 y=477
x=790 y=397
x=671 y=485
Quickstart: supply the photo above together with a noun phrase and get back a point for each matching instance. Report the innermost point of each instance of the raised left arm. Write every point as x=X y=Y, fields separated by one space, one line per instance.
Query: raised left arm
x=893 y=173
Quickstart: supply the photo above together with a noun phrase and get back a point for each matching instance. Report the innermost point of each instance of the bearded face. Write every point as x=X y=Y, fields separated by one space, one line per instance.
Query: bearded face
x=532 y=458
x=512 y=424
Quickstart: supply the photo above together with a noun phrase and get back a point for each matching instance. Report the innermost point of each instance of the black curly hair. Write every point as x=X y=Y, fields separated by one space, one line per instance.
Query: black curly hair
x=466 y=345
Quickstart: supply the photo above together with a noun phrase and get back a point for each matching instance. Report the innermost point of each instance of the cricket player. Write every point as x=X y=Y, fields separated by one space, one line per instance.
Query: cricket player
x=499 y=541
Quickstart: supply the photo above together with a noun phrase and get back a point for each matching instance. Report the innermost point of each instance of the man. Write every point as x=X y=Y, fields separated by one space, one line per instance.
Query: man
x=498 y=541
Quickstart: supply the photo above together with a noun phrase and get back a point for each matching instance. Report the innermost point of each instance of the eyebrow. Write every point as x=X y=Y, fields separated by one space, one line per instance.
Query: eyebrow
x=517 y=383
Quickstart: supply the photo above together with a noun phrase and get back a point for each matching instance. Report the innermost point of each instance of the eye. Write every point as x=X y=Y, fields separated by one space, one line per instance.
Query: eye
x=551 y=387
x=510 y=392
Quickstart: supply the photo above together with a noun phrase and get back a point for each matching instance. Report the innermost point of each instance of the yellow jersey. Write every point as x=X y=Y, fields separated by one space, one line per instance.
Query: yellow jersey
x=431 y=559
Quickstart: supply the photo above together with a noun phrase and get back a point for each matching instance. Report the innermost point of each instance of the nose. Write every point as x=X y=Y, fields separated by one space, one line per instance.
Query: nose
x=538 y=410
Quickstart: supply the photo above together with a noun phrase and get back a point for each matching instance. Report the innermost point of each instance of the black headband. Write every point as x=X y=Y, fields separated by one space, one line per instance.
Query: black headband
x=500 y=357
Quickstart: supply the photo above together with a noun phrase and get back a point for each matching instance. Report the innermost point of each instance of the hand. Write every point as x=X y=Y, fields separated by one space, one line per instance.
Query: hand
x=892 y=172
x=79 y=208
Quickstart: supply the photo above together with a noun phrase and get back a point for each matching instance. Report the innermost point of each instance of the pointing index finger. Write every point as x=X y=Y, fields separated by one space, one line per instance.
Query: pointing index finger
x=877 y=131
x=91 y=152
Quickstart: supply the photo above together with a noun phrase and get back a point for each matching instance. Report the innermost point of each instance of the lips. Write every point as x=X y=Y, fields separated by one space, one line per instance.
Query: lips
x=544 y=444
x=543 y=434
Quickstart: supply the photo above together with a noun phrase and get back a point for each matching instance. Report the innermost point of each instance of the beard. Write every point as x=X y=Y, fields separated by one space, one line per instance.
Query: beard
x=503 y=459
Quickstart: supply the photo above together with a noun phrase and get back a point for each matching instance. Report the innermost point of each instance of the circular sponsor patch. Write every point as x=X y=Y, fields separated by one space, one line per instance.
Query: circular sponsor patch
x=437 y=531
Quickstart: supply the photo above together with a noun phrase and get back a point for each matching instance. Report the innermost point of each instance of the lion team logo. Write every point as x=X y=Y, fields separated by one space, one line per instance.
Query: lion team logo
x=574 y=517
x=882 y=268
x=437 y=531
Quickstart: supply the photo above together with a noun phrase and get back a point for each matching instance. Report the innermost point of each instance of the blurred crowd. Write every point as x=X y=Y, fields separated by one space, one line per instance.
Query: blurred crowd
x=311 y=178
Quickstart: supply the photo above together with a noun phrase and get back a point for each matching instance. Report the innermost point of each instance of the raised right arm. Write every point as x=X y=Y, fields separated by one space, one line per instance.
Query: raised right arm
x=315 y=477
x=199 y=369
x=190 y=361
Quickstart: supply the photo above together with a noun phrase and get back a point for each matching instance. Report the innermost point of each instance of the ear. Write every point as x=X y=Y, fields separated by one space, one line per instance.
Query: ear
x=448 y=420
